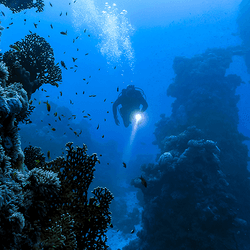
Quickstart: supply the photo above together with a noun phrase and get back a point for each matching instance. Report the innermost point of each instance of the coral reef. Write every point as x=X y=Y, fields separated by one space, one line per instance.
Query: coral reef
x=206 y=98
x=17 y=6
x=91 y=217
x=43 y=205
x=13 y=108
x=243 y=22
x=187 y=202
x=48 y=207
x=197 y=196
x=33 y=64
x=34 y=157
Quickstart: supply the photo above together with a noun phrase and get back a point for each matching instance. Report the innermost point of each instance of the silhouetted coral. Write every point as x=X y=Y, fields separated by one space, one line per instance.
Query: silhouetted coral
x=33 y=65
x=19 y=5
x=91 y=217
x=48 y=207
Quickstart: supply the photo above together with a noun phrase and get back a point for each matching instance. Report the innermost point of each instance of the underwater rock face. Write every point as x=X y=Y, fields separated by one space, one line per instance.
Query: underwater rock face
x=200 y=198
x=189 y=202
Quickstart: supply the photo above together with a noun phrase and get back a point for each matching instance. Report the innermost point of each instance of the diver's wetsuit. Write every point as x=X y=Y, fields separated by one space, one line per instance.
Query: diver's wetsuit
x=130 y=99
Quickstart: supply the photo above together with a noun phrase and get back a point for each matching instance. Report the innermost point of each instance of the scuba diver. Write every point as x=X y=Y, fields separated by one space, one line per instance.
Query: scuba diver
x=130 y=99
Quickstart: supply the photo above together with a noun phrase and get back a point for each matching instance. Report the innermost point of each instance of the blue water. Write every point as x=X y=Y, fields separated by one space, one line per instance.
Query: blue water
x=120 y=43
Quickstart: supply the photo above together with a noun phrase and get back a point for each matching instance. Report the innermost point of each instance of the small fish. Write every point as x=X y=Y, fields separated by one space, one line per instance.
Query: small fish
x=55 y=114
x=11 y=23
x=39 y=103
x=111 y=225
x=105 y=119
x=35 y=24
x=2 y=13
x=105 y=100
x=74 y=40
x=86 y=54
x=66 y=13
x=60 y=14
x=117 y=89
x=107 y=112
x=83 y=92
x=71 y=102
x=132 y=231
x=37 y=161
x=50 y=4
x=143 y=181
x=53 y=129
x=24 y=20
x=115 y=67
x=51 y=26
x=92 y=95
x=88 y=114
x=60 y=93
x=88 y=35
x=63 y=64
x=85 y=116
x=97 y=126
x=84 y=79
x=47 y=96
x=48 y=106
x=71 y=128
x=85 y=30
x=103 y=136
x=124 y=165
x=30 y=102
x=15 y=47
x=48 y=154
x=59 y=118
x=77 y=37
x=64 y=33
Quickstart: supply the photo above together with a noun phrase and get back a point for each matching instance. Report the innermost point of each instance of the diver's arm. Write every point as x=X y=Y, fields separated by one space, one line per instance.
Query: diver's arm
x=144 y=105
x=115 y=105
